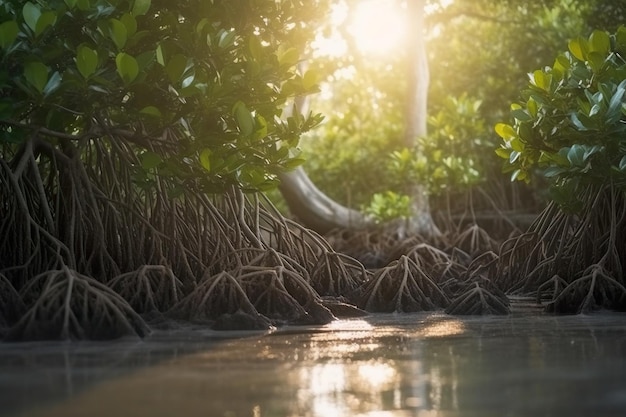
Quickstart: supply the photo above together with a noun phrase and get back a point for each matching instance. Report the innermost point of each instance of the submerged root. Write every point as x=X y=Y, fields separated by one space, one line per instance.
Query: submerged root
x=69 y=305
x=595 y=289
x=402 y=286
x=151 y=288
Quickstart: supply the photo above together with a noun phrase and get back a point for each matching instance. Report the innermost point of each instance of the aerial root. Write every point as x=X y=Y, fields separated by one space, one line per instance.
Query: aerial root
x=478 y=300
x=69 y=305
x=221 y=300
x=475 y=240
x=402 y=286
x=550 y=289
x=338 y=275
x=595 y=289
x=283 y=295
x=150 y=288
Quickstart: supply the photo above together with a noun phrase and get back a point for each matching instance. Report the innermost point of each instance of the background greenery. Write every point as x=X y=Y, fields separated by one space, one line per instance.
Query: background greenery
x=480 y=53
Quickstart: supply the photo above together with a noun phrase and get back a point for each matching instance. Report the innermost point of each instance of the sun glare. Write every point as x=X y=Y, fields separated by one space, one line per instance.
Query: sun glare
x=378 y=26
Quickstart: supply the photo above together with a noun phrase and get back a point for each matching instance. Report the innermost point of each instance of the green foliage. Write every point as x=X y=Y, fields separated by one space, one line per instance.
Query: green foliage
x=571 y=122
x=388 y=206
x=200 y=83
x=450 y=157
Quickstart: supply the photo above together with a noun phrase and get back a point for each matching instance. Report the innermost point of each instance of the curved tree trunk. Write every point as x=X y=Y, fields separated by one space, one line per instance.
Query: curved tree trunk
x=319 y=212
x=316 y=210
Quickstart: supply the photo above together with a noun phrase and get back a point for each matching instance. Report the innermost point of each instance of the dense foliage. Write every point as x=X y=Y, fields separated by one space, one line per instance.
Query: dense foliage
x=570 y=127
x=571 y=122
x=208 y=79
x=479 y=55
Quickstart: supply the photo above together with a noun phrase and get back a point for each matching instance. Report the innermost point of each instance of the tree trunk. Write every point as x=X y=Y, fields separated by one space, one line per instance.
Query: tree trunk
x=319 y=212
x=316 y=210
x=416 y=116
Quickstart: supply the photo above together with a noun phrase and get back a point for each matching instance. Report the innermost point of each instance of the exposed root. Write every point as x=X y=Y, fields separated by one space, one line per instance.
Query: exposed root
x=478 y=301
x=151 y=288
x=283 y=295
x=475 y=241
x=427 y=255
x=216 y=296
x=595 y=289
x=336 y=274
x=69 y=305
x=402 y=286
x=551 y=289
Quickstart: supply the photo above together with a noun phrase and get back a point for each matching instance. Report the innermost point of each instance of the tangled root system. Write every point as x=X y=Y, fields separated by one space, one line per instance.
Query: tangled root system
x=220 y=298
x=68 y=305
x=338 y=275
x=595 y=289
x=477 y=300
x=151 y=288
x=283 y=295
x=402 y=286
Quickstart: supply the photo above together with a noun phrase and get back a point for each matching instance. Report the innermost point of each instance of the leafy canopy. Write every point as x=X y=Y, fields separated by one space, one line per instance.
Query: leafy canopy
x=571 y=122
x=194 y=88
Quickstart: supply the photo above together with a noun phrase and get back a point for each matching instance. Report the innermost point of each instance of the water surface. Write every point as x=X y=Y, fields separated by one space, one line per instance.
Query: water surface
x=426 y=364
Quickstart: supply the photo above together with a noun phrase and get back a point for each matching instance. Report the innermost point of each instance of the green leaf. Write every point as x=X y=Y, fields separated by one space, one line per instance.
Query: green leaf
x=503 y=153
x=8 y=33
x=53 y=84
x=620 y=37
x=575 y=155
x=150 y=160
x=118 y=33
x=288 y=57
x=205 y=159
x=127 y=67
x=310 y=79
x=578 y=48
x=83 y=4
x=261 y=127
x=151 y=111
x=256 y=48
x=160 y=54
x=541 y=79
x=176 y=67
x=86 y=61
x=130 y=23
x=293 y=163
x=36 y=74
x=532 y=107
x=45 y=20
x=505 y=131
x=141 y=7
x=31 y=15
x=596 y=60
x=600 y=42
x=521 y=115
x=70 y=3
x=227 y=38
x=244 y=118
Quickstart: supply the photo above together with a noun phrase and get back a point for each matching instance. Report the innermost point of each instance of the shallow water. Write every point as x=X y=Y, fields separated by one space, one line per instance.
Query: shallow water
x=426 y=364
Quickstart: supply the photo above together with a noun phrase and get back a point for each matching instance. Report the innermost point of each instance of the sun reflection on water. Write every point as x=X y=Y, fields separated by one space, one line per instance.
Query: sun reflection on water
x=343 y=381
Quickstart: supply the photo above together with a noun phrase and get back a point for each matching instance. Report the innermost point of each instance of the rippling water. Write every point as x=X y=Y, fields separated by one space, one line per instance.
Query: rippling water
x=383 y=365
